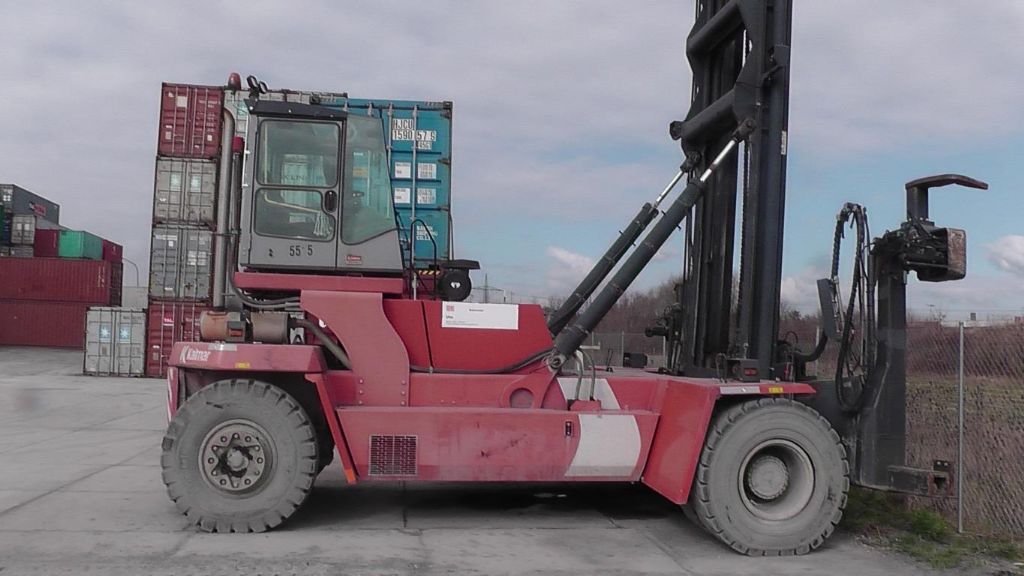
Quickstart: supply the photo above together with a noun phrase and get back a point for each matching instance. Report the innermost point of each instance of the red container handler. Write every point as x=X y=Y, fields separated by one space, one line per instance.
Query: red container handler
x=112 y=251
x=56 y=280
x=46 y=244
x=39 y=323
x=190 y=121
x=169 y=322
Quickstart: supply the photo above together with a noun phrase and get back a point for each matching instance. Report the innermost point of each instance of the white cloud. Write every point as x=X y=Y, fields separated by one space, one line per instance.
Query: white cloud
x=561 y=108
x=1008 y=254
x=800 y=292
x=565 y=269
x=877 y=74
x=988 y=296
x=985 y=295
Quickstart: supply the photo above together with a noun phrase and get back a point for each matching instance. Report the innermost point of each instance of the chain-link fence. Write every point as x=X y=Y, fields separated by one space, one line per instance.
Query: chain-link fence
x=990 y=404
x=991 y=476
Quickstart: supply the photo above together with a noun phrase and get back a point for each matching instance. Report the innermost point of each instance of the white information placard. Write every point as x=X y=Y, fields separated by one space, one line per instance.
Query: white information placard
x=480 y=316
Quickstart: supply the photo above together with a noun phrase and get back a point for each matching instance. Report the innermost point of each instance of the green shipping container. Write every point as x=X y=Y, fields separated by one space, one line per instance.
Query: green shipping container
x=80 y=244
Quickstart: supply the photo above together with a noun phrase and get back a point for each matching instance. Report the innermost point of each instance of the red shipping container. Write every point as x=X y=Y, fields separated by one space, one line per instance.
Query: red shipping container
x=53 y=324
x=116 y=283
x=190 y=121
x=56 y=279
x=112 y=252
x=169 y=322
x=46 y=243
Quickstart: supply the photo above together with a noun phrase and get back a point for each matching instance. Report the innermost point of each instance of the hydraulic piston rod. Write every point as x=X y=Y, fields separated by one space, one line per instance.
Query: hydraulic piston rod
x=570 y=339
x=604 y=266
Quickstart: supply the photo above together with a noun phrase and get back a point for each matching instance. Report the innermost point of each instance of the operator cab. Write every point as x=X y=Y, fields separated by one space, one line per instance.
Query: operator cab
x=316 y=192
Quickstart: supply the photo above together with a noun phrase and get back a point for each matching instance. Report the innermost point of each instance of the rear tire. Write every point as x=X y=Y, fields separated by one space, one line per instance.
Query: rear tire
x=772 y=478
x=239 y=456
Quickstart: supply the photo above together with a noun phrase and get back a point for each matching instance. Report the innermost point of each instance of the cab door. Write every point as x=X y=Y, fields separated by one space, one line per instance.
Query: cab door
x=369 y=240
x=296 y=190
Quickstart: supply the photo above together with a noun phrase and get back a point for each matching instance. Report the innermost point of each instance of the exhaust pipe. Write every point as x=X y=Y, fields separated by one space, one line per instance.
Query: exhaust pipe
x=223 y=192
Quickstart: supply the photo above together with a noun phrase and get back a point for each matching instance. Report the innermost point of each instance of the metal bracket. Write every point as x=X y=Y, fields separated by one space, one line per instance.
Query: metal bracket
x=921 y=482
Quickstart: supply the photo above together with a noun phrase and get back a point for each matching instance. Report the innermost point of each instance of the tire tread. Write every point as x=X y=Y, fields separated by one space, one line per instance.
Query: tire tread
x=306 y=452
x=701 y=493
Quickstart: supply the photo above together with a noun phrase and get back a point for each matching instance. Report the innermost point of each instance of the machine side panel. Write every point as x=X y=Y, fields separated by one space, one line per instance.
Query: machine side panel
x=219 y=356
x=406 y=316
x=466 y=348
x=485 y=390
x=686 y=407
x=331 y=388
x=378 y=355
x=685 y=413
x=496 y=445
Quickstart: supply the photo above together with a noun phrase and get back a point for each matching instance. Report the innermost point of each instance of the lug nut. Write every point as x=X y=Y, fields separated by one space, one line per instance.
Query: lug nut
x=247 y=481
x=223 y=438
x=248 y=438
x=259 y=460
x=223 y=482
x=210 y=460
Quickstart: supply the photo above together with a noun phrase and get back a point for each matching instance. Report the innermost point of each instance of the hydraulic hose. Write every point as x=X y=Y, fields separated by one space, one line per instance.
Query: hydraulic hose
x=862 y=294
x=325 y=341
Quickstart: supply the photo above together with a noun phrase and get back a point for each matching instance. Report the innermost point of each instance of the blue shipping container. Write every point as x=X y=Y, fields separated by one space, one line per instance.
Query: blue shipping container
x=433 y=227
x=412 y=128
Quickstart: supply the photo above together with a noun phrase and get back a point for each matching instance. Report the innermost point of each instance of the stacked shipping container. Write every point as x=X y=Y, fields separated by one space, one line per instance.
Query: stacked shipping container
x=43 y=300
x=51 y=276
x=115 y=341
x=184 y=216
x=417 y=133
x=419 y=139
x=185 y=194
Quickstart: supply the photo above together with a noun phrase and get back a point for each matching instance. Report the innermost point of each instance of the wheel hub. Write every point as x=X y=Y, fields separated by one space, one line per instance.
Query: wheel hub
x=776 y=480
x=235 y=456
x=767 y=476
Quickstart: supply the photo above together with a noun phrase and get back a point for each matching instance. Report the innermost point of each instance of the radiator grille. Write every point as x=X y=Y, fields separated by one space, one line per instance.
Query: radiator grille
x=392 y=455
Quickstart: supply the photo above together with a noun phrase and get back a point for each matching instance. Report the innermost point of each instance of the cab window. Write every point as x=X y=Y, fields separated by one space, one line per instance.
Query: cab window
x=292 y=214
x=367 y=209
x=299 y=153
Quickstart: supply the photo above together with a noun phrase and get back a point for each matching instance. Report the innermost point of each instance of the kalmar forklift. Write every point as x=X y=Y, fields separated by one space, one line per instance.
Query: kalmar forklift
x=328 y=344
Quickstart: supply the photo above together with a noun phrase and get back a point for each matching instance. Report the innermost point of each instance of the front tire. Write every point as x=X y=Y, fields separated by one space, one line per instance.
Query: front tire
x=772 y=478
x=239 y=456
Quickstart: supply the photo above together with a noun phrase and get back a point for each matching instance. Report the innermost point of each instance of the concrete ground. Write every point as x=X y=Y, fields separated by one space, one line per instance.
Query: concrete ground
x=80 y=493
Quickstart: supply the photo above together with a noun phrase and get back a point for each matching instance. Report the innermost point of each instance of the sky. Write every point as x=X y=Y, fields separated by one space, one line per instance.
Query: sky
x=560 y=117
